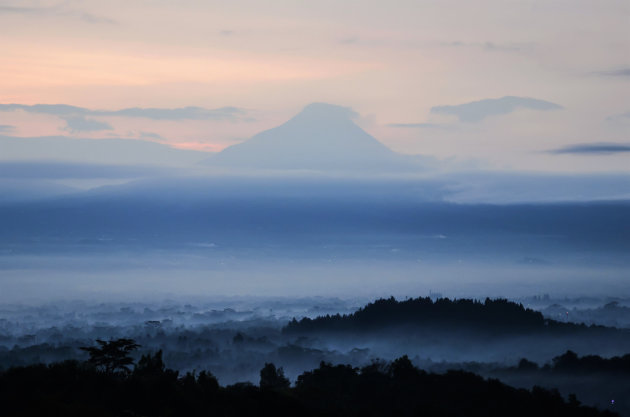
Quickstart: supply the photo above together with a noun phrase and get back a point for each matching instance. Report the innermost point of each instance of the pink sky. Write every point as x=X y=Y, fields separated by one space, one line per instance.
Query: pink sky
x=391 y=62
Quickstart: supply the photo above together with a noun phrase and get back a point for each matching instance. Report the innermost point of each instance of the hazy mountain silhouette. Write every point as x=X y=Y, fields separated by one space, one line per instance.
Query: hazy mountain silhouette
x=18 y=190
x=321 y=137
x=94 y=151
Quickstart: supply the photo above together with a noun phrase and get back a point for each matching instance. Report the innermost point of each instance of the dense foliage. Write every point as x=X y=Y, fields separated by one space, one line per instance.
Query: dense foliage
x=570 y=362
x=74 y=388
x=112 y=356
x=493 y=315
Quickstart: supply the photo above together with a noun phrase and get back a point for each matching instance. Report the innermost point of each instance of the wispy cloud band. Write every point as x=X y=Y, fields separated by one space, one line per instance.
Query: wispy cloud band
x=56 y=11
x=600 y=148
x=180 y=113
x=420 y=125
x=478 y=110
x=620 y=72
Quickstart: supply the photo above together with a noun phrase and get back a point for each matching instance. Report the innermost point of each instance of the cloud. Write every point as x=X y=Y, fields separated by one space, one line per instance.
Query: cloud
x=409 y=43
x=349 y=40
x=91 y=18
x=6 y=128
x=149 y=135
x=327 y=112
x=56 y=11
x=21 y=10
x=181 y=113
x=54 y=109
x=479 y=110
x=601 y=148
x=623 y=117
x=419 y=125
x=81 y=124
x=621 y=72
x=493 y=46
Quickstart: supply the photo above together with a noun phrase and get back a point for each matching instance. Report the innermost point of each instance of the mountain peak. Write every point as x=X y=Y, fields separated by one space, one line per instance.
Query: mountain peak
x=322 y=137
x=325 y=111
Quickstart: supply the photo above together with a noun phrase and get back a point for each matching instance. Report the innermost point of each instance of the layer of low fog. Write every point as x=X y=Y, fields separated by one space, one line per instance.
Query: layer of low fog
x=233 y=337
x=250 y=329
x=233 y=236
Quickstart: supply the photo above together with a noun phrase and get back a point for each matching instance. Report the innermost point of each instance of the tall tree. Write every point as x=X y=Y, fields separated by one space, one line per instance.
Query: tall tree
x=273 y=378
x=112 y=356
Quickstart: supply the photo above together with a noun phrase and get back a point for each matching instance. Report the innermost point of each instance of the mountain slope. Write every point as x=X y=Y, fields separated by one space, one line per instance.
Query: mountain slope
x=321 y=137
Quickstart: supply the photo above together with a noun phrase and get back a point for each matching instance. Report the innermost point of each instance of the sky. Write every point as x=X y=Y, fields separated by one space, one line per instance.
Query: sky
x=549 y=81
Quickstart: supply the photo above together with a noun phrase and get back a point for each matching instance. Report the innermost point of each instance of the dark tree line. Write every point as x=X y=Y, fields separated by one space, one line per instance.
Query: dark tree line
x=570 y=362
x=491 y=315
x=98 y=387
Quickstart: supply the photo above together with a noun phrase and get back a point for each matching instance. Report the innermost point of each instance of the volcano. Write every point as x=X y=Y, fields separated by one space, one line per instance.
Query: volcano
x=322 y=137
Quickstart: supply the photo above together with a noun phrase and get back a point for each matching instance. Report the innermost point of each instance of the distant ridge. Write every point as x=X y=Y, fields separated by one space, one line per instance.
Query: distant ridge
x=94 y=151
x=498 y=315
x=321 y=137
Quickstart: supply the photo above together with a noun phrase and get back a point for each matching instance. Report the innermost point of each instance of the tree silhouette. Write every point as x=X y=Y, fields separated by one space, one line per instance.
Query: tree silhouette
x=112 y=356
x=273 y=378
x=527 y=365
x=402 y=369
x=150 y=364
x=380 y=389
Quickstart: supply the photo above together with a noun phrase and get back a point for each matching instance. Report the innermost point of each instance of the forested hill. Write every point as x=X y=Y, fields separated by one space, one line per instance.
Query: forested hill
x=493 y=315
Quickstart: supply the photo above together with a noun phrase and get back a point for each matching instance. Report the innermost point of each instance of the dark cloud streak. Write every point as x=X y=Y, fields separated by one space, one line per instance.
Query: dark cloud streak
x=601 y=148
x=623 y=117
x=621 y=72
